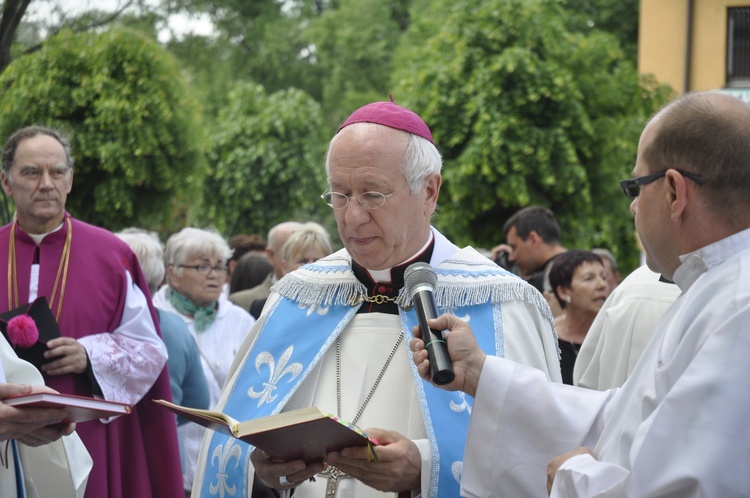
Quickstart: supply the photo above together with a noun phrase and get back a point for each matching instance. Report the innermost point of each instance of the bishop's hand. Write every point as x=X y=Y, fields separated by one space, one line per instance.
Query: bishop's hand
x=282 y=475
x=399 y=465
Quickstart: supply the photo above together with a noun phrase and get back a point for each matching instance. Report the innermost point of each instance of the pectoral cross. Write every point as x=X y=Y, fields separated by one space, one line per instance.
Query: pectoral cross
x=333 y=475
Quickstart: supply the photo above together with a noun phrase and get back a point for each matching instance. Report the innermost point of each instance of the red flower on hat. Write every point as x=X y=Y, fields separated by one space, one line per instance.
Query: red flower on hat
x=22 y=331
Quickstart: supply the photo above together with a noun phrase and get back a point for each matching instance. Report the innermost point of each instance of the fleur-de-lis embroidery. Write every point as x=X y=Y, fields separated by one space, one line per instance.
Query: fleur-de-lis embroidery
x=450 y=310
x=457 y=469
x=224 y=454
x=460 y=407
x=276 y=373
x=314 y=308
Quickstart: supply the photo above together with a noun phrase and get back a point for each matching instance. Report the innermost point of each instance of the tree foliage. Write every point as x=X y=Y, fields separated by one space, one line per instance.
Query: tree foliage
x=133 y=130
x=354 y=44
x=531 y=102
x=267 y=153
x=526 y=112
x=20 y=37
x=11 y=13
x=263 y=41
x=617 y=17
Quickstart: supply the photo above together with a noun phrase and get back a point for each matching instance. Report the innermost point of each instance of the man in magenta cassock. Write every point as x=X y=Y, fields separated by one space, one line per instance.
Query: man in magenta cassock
x=109 y=346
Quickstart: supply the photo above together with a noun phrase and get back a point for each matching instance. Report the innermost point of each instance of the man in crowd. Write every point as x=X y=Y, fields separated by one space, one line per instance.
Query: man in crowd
x=533 y=242
x=109 y=344
x=678 y=425
x=332 y=332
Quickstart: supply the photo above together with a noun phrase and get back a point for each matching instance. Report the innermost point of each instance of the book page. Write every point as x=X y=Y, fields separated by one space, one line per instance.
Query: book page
x=206 y=418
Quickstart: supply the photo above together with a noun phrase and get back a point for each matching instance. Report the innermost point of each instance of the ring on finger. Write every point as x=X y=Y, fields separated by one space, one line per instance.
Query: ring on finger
x=284 y=481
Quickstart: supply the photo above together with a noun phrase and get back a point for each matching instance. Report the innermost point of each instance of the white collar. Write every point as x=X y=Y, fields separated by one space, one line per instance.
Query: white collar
x=39 y=237
x=698 y=262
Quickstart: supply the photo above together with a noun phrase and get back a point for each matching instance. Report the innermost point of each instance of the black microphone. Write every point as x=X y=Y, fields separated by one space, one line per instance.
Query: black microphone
x=421 y=281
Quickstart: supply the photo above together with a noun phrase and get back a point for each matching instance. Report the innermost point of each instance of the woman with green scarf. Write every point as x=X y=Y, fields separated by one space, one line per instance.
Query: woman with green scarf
x=196 y=262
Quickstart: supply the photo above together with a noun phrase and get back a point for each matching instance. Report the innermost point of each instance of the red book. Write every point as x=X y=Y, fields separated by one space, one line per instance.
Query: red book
x=78 y=408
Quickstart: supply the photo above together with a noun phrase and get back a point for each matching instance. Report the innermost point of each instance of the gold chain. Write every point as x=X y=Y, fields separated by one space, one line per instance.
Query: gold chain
x=378 y=299
x=62 y=270
x=332 y=473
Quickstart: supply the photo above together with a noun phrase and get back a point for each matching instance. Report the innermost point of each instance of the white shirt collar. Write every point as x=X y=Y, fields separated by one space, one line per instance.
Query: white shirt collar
x=39 y=237
x=698 y=262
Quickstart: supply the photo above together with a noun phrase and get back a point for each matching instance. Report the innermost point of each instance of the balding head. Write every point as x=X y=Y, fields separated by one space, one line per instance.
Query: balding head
x=277 y=237
x=708 y=134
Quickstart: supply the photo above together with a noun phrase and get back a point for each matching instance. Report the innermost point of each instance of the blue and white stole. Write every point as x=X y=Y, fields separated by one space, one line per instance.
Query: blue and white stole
x=469 y=286
x=20 y=486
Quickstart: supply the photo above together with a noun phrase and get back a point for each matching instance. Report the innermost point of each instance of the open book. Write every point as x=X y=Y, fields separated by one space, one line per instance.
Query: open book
x=77 y=408
x=306 y=434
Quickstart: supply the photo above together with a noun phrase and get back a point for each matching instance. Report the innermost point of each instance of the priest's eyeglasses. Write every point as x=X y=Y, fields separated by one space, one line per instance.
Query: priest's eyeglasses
x=206 y=269
x=368 y=200
x=632 y=186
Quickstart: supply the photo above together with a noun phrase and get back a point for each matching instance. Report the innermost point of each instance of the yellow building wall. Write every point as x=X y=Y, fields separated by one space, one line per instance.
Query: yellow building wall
x=662 y=42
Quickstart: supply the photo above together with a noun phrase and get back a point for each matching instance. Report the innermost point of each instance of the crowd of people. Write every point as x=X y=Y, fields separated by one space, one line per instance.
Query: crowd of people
x=255 y=326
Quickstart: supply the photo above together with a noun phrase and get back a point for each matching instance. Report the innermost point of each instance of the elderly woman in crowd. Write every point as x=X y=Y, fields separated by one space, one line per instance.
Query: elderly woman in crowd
x=196 y=271
x=579 y=281
x=189 y=386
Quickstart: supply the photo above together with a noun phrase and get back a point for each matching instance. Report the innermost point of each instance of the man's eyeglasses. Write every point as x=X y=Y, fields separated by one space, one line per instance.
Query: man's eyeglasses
x=368 y=200
x=632 y=186
x=206 y=269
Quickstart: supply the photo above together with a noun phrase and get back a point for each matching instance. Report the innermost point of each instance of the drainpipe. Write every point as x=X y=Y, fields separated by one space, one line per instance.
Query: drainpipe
x=688 y=44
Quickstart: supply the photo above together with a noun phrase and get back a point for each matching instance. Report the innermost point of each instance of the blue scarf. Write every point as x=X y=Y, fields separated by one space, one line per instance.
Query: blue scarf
x=203 y=316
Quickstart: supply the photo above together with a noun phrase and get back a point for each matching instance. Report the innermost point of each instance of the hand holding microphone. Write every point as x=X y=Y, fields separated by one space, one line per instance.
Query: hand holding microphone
x=421 y=282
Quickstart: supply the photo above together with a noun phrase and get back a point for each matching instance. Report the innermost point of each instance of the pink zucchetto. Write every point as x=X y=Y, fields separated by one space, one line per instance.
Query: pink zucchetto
x=391 y=115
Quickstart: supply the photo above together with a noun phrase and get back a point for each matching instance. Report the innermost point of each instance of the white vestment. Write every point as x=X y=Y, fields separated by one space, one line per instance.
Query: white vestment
x=218 y=345
x=58 y=469
x=622 y=329
x=678 y=427
x=366 y=342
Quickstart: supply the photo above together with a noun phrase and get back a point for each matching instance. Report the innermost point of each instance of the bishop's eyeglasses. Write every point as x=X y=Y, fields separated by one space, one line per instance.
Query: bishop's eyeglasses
x=632 y=186
x=368 y=200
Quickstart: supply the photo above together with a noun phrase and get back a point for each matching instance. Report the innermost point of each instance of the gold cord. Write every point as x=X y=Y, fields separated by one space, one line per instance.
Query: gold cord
x=12 y=282
x=62 y=269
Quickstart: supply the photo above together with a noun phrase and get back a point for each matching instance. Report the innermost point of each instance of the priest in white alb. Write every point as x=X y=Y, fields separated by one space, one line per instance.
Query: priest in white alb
x=39 y=456
x=678 y=426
